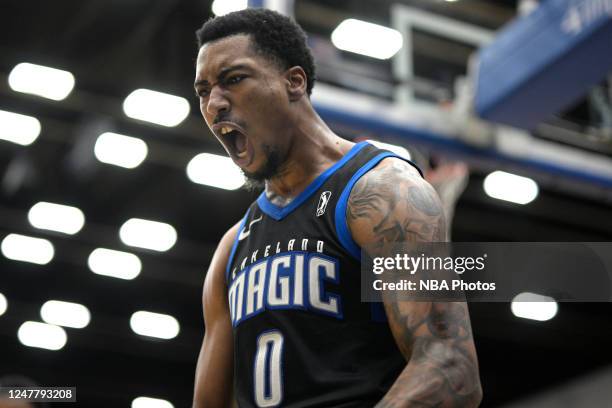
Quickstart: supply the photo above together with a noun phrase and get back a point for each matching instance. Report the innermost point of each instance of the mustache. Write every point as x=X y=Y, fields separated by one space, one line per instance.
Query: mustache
x=225 y=117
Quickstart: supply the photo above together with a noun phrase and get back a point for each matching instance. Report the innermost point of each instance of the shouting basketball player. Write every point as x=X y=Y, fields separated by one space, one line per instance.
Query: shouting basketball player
x=284 y=324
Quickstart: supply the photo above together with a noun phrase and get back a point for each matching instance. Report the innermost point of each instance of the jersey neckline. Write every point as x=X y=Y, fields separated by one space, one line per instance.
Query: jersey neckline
x=278 y=213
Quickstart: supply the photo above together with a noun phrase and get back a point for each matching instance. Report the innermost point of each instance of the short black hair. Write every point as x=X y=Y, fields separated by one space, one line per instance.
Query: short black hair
x=274 y=35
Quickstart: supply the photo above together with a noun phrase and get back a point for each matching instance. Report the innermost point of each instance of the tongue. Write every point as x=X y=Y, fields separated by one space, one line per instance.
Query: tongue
x=241 y=143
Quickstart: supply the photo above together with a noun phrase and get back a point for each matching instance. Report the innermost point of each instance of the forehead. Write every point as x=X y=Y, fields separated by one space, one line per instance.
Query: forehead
x=215 y=55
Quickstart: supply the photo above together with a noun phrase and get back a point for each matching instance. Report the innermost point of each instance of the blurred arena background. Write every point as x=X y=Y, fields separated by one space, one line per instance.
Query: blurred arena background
x=139 y=327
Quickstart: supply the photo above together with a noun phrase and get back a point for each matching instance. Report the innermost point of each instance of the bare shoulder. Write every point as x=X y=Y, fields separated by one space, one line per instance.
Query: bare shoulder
x=393 y=203
x=214 y=283
x=230 y=236
x=222 y=253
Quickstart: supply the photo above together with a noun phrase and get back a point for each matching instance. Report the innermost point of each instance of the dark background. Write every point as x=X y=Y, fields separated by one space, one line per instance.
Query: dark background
x=113 y=47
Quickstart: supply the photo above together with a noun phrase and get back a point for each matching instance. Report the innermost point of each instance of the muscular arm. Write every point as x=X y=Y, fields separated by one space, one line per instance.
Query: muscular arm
x=389 y=205
x=214 y=371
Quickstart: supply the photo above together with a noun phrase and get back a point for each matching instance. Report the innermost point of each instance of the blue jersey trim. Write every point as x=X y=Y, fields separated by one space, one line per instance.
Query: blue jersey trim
x=278 y=213
x=342 y=229
x=233 y=252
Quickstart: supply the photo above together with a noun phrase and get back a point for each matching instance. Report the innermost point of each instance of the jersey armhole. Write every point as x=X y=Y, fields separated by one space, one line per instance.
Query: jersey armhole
x=342 y=230
x=377 y=311
x=235 y=245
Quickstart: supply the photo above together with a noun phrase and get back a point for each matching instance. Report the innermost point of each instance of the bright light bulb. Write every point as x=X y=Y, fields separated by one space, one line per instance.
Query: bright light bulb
x=50 y=83
x=158 y=325
x=533 y=306
x=56 y=217
x=65 y=314
x=154 y=235
x=368 y=39
x=510 y=187
x=27 y=249
x=156 y=107
x=223 y=7
x=42 y=335
x=216 y=171
x=3 y=304
x=19 y=129
x=148 y=402
x=116 y=264
x=120 y=150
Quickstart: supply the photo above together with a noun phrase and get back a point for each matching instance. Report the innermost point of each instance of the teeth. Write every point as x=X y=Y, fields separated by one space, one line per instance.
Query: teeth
x=225 y=130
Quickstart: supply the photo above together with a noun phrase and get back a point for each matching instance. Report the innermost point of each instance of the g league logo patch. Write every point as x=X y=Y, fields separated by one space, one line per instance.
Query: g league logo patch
x=323 y=203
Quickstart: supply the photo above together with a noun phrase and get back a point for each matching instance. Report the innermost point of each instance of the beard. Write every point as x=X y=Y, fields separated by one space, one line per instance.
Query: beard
x=272 y=167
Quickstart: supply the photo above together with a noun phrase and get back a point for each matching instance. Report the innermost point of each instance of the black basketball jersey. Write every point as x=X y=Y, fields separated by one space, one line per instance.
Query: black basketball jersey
x=302 y=336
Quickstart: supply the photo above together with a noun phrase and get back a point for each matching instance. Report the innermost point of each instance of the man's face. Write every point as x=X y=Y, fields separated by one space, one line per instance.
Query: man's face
x=244 y=101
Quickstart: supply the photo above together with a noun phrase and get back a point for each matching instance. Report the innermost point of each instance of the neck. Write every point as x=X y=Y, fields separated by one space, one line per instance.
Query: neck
x=314 y=148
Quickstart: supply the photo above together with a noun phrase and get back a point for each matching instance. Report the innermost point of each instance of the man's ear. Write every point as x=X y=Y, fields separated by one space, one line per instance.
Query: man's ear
x=296 y=83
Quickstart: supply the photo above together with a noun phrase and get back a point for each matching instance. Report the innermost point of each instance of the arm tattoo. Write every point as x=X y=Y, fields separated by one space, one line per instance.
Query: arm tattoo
x=442 y=371
x=399 y=211
x=390 y=205
x=422 y=201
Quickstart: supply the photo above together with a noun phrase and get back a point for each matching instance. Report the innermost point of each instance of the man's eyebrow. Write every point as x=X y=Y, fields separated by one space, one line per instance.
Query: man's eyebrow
x=200 y=82
x=222 y=74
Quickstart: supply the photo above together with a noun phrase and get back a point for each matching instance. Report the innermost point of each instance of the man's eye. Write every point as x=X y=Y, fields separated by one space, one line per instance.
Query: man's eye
x=203 y=93
x=235 y=79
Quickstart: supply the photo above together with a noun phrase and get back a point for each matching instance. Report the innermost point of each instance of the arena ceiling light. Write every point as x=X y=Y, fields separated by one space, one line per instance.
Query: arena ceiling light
x=161 y=326
x=50 y=83
x=510 y=187
x=120 y=150
x=148 y=402
x=222 y=7
x=147 y=234
x=27 y=249
x=56 y=217
x=216 y=171
x=19 y=129
x=3 y=304
x=116 y=264
x=534 y=306
x=156 y=107
x=368 y=39
x=42 y=335
x=65 y=314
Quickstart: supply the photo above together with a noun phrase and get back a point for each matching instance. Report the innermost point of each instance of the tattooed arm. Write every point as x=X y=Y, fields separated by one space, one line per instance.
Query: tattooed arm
x=389 y=205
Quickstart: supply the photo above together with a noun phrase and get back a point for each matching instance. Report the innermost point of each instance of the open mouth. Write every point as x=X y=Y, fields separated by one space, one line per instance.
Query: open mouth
x=235 y=139
x=236 y=143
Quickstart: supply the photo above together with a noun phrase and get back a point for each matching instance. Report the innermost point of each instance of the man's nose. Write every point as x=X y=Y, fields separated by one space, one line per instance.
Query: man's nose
x=217 y=101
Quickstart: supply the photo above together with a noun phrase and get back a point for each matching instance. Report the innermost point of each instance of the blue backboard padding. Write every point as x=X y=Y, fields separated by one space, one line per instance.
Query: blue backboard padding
x=371 y=124
x=544 y=62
